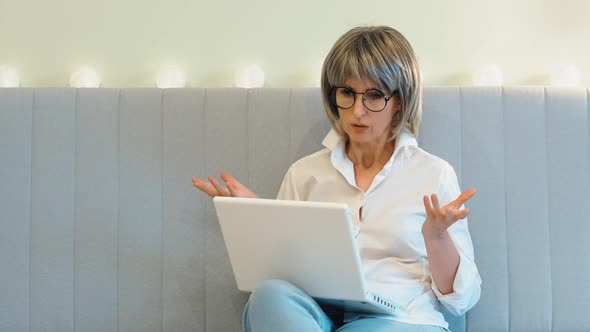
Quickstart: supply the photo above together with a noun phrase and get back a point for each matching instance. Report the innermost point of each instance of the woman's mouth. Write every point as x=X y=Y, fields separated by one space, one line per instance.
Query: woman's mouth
x=359 y=128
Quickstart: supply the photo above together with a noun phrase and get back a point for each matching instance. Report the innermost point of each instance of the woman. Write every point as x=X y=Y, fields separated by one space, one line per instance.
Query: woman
x=415 y=248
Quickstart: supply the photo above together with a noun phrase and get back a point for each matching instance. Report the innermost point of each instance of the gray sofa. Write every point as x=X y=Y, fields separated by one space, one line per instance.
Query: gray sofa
x=101 y=230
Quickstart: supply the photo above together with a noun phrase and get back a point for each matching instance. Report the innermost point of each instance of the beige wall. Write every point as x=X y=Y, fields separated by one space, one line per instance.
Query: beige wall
x=128 y=40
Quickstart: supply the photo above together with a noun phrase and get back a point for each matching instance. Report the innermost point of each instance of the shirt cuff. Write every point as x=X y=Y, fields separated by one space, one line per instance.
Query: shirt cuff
x=466 y=288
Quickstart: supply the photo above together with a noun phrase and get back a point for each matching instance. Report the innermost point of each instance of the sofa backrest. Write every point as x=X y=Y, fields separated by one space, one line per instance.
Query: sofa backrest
x=101 y=229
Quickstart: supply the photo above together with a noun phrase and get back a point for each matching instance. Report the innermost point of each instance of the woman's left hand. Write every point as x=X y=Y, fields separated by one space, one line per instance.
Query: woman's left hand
x=439 y=219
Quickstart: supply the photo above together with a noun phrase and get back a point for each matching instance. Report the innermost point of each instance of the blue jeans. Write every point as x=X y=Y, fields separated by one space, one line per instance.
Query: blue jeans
x=277 y=305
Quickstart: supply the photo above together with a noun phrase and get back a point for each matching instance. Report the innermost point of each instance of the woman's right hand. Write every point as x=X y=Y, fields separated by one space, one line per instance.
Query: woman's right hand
x=233 y=187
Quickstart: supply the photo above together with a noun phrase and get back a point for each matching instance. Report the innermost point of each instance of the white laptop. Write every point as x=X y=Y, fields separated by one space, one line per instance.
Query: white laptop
x=309 y=244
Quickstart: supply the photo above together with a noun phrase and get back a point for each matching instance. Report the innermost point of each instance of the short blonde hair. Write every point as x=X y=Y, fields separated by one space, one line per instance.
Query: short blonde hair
x=384 y=56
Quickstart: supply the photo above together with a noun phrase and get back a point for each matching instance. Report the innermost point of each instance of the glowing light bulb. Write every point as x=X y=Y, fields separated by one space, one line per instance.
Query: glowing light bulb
x=170 y=76
x=488 y=75
x=317 y=74
x=565 y=76
x=85 y=77
x=9 y=77
x=251 y=76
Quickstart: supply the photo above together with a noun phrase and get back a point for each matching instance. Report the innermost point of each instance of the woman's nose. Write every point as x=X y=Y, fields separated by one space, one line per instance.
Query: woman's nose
x=358 y=108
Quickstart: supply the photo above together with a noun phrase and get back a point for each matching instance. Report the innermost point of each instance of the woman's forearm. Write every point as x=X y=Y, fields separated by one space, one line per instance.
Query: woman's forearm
x=443 y=259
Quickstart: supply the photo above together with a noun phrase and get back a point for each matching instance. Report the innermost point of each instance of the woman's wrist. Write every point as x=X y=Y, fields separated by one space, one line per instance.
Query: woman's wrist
x=434 y=232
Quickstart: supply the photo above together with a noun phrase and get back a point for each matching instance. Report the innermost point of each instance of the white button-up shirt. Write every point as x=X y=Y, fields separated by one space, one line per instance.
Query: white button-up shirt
x=388 y=232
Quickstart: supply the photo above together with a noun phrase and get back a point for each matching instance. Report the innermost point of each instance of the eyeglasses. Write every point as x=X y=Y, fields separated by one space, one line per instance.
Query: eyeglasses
x=373 y=99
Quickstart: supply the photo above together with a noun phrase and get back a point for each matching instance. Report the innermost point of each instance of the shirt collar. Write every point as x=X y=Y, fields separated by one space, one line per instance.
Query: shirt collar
x=340 y=161
x=334 y=140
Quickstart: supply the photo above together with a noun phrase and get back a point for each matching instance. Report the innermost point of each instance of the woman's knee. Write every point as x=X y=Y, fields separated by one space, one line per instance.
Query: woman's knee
x=277 y=305
x=273 y=291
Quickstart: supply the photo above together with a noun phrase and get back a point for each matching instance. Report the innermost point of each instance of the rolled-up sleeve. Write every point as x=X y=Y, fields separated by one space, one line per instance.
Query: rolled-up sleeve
x=467 y=283
x=288 y=189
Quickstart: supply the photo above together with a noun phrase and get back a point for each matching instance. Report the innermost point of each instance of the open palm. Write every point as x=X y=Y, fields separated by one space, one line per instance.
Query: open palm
x=439 y=219
x=232 y=187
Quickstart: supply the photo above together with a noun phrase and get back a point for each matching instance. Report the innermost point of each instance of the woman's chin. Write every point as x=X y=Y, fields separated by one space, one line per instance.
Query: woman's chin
x=359 y=137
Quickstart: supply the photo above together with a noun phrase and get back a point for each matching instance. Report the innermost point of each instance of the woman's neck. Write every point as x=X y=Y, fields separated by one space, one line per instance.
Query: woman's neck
x=370 y=155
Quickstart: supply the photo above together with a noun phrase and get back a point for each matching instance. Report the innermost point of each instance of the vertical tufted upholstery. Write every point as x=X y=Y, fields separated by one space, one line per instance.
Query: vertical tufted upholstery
x=101 y=229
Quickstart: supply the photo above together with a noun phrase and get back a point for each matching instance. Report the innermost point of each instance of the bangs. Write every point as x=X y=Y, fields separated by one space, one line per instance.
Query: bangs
x=363 y=60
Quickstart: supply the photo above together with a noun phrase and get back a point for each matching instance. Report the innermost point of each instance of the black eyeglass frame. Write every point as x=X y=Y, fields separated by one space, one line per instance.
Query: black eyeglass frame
x=335 y=106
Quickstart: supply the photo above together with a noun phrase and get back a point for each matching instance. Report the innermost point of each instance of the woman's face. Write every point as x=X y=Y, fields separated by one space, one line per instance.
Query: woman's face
x=363 y=125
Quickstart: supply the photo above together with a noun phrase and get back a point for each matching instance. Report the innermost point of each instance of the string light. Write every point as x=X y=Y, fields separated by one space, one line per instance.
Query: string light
x=251 y=76
x=317 y=73
x=9 y=77
x=565 y=76
x=170 y=76
x=85 y=77
x=488 y=75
